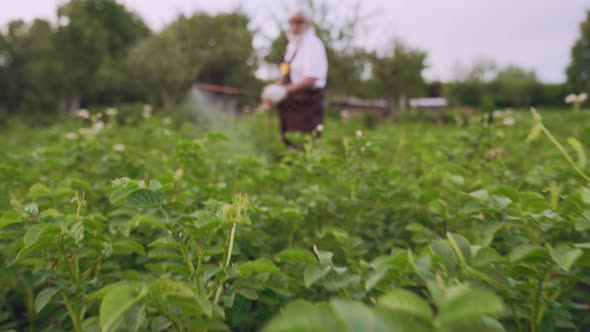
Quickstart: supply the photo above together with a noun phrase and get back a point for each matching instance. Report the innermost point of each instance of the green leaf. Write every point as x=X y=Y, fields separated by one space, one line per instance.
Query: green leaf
x=585 y=245
x=9 y=218
x=168 y=187
x=506 y=191
x=501 y=203
x=464 y=305
x=100 y=294
x=375 y=278
x=302 y=316
x=443 y=249
x=481 y=195
x=398 y=261
x=536 y=130
x=357 y=317
x=116 y=302
x=460 y=246
x=485 y=324
x=120 y=194
x=167 y=287
x=314 y=273
x=39 y=190
x=207 y=325
x=531 y=202
x=143 y=198
x=261 y=265
x=134 y=318
x=37 y=231
x=526 y=252
x=578 y=147
x=91 y=325
x=40 y=236
x=456 y=179
x=565 y=255
x=335 y=281
x=154 y=185
x=296 y=255
x=127 y=247
x=44 y=297
x=146 y=220
x=486 y=256
x=405 y=302
x=325 y=257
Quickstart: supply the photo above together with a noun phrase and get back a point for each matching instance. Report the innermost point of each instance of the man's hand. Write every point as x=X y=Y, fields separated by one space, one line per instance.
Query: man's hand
x=266 y=104
x=307 y=83
x=290 y=88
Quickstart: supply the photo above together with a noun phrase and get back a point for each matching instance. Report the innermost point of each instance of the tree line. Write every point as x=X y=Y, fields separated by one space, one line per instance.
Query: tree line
x=101 y=53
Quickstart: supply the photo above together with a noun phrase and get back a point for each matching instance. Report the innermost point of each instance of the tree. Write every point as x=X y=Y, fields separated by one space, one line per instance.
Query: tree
x=93 y=37
x=223 y=47
x=28 y=72
x=578 y=72
x=471 y=85
x=160 y=67
x=398 y=72
x=211 y=49
x=515 y=87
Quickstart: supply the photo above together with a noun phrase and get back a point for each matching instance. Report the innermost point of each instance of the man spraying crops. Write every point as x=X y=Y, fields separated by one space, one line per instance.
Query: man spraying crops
x=300 y=92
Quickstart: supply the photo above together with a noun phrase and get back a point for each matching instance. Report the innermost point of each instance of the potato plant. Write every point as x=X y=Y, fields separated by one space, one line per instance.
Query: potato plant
x=162 y=226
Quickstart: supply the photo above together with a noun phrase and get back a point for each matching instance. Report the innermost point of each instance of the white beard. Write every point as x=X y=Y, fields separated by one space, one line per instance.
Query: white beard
x=293 y=38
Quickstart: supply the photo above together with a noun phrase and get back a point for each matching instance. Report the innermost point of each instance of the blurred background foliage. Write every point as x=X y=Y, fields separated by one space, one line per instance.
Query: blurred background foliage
x=100 y=53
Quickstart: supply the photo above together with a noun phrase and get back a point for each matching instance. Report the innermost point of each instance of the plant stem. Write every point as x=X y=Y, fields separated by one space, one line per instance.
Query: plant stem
x=30 y=301
x=187 y=258
x=198 y=272
x=227 y=261
x=73 y=310
x=231 y=244
x=537 y=297
x=560 y=147
x=541 y=312
x=176 y=324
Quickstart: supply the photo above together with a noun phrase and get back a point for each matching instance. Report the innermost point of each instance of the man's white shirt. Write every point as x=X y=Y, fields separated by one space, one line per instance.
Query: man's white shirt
x=310 y=59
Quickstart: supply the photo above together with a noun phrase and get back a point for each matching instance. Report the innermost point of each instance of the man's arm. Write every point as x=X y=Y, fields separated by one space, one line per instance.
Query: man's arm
x=307 y=83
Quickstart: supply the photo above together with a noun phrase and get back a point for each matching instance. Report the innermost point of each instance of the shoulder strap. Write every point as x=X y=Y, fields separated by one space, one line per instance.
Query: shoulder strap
x=293 y=56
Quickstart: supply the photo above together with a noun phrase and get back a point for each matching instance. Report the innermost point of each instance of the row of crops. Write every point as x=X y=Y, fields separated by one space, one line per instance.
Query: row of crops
x=151 y=224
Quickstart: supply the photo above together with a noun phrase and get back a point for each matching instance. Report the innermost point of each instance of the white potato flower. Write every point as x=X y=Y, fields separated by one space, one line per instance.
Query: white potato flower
x=119 y=147
x=83 y=113
x=572 y=98
x=359 y=133
x=320 y=128
x=111 y=111
x=274 y=93
x=147 y=111
x=178 y=174
x=98 y=126
x=119 y=181
x=509 y=121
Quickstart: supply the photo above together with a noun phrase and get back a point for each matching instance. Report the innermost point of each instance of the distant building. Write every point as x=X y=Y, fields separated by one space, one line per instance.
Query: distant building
x=353 y=107
x=437 y=104
x=217 y=97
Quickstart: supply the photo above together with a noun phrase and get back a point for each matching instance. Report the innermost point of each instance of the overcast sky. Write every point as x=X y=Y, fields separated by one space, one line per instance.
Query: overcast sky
x=535 y=34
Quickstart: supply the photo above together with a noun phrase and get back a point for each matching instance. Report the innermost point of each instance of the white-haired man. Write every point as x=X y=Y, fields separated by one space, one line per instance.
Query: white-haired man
x=304 y=74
